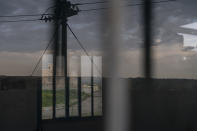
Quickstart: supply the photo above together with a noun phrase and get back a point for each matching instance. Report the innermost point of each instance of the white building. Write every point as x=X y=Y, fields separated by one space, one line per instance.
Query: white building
x=189 y=39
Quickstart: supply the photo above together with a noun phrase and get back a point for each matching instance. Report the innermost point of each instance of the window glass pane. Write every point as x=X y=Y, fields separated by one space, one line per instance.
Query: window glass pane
x=97 y=77
x=174 y=40
x=73 y=96
x=86 y=85
x=47 y=94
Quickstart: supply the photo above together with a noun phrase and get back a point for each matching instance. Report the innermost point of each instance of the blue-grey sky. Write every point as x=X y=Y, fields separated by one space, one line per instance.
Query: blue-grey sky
x=22 y=43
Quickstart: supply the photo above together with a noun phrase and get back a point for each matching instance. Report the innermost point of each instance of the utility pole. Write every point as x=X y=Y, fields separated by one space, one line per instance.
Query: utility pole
x=65 y=9
x=64 y=54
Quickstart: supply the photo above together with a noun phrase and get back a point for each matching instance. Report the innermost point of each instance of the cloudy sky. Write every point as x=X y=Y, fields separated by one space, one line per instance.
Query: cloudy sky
x=21 y=43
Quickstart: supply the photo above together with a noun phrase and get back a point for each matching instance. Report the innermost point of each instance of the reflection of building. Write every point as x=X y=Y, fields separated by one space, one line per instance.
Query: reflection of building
x=78 y=66
x=189 y=36
x=47 y=71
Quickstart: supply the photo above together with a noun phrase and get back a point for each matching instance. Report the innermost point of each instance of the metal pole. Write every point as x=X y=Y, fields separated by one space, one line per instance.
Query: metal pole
x=64 y=54
x=55 y=52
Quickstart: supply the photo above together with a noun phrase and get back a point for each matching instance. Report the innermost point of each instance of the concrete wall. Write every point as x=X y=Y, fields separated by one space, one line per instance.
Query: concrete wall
x=164 y=105
x=18 y=103
x=88 y=124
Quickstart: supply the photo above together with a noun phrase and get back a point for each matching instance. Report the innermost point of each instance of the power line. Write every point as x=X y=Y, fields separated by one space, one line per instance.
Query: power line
x=23 y=20
x=153 y=2
x=48 y=10
x=36 y=65
x=21 y=15
x=10 y=21
x=30 y=15
x=94 y=9
x=128 y=5
x=90 y=3
x=81 y=45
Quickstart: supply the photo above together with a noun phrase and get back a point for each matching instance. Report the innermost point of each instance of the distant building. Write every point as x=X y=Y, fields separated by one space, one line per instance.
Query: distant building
x=189 y=36
x=47 y=71
x=78 y=66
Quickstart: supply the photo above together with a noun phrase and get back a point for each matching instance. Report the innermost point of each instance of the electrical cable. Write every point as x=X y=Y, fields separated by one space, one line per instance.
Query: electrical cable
x=10 y=21
x=128 y=5
x=20 y=15
x=84 y=49
x=2 y=16
x=90 y=3
x=36 y=65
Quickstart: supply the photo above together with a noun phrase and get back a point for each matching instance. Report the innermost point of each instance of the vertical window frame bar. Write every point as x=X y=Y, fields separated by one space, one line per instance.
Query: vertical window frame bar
x=147 y=15
x=92 y=86
x=79 y=96
x=67 y=93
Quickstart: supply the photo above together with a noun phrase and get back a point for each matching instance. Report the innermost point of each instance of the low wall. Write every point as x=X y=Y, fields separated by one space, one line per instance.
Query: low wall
x=163 y=105
x=18 y=103
x=75 y=124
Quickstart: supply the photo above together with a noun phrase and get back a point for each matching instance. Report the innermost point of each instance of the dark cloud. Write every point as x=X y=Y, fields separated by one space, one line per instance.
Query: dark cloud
x=23 y=36
x=32 y=37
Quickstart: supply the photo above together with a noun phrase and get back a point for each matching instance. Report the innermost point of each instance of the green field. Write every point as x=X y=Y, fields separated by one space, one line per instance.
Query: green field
x=60 y=97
